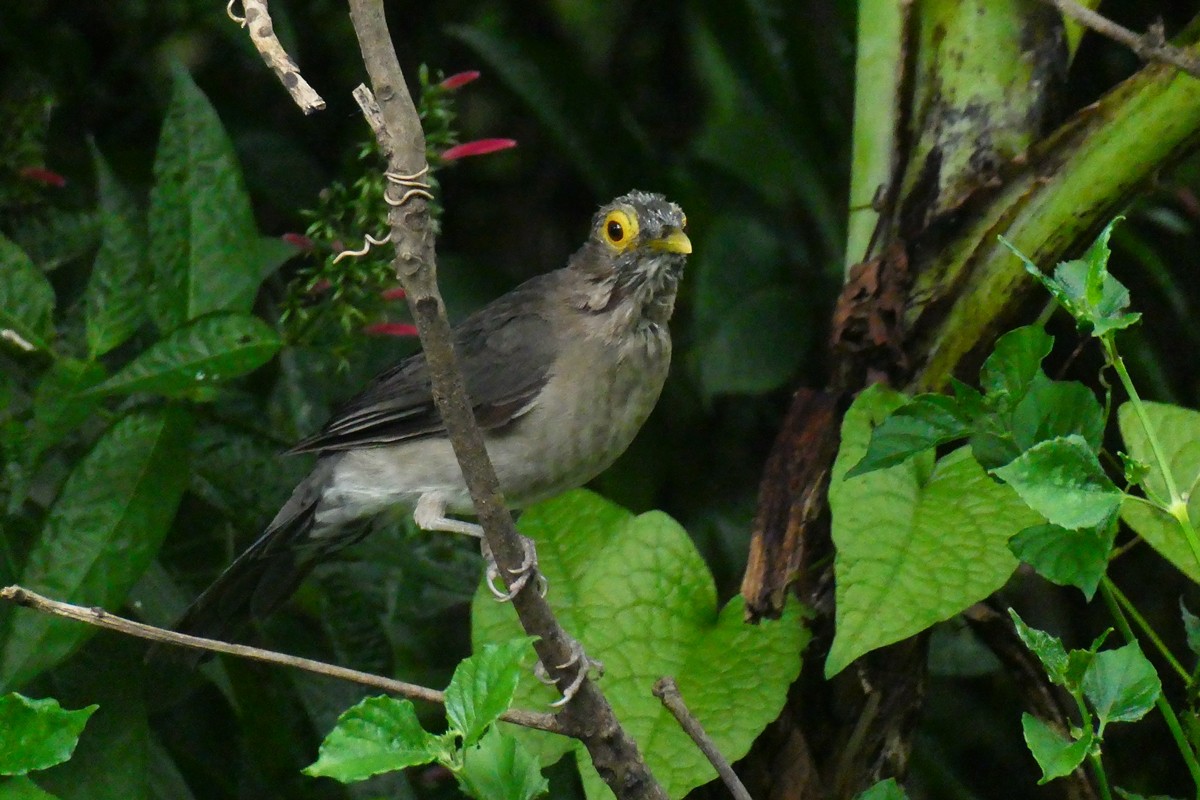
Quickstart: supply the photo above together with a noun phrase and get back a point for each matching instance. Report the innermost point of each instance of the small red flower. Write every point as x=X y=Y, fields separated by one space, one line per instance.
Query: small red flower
x=459 y=79
x=298 y=241
x=43 y=176
x=320 y=287
x=479 y=147
x=401 y=329
x=396 y=293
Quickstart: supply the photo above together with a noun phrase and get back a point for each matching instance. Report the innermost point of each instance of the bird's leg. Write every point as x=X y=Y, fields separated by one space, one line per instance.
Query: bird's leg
x=586 y=665
x=430 y=515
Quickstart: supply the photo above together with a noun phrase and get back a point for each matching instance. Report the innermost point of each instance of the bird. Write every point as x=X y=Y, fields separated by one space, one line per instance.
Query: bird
x=561 y=371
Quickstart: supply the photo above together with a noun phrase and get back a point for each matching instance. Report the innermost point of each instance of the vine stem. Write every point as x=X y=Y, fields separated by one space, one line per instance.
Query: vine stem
x=1149 y=632
x=1164 y=708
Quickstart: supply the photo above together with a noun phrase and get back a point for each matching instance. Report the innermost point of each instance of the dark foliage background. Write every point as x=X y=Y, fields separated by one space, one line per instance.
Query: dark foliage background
x=739 y=111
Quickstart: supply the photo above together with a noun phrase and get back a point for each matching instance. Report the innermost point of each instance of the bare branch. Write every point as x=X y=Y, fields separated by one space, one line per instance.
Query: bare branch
x=666 y=690
x=1148 y=46
x=262 y=35
x=588 y=716
x=100 y=618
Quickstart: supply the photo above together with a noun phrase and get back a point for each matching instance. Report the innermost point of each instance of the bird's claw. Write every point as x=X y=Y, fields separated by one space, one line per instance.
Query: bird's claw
x=586 y=666
x=528 y=568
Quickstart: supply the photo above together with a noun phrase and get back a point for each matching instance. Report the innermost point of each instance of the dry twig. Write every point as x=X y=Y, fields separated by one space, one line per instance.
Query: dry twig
x=1149 y=46
x=262 y=35
x=666 y=690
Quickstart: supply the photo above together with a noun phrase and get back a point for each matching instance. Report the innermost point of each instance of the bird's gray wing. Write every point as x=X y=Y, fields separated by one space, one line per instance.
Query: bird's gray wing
x=506 y=351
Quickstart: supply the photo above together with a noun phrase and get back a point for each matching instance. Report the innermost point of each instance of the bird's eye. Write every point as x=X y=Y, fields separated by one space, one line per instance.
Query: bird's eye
x=619 y=229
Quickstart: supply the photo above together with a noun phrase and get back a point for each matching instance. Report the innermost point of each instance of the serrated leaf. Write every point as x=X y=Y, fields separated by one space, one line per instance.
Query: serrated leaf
x=1063 y=481
x=904 y=536
x=1051 y=409
x=26 y=300
x=926 y=421
x=638 y=596
x=380 y=734
x=1048 y=649
x=114 y=301
x=204 y=244
x=1054 y=753
x=1121 y=684
x=101 y=533
x=214 y=348
x=37 y=734
x=500 y=768
x=1178 y=432
x=1014 y=363
x=1069 y=558
x=884 y=790
x=483 y=686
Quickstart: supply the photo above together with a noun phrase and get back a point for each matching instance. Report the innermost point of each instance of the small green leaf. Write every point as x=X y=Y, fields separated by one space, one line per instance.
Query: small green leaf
x=1063 y=481
x=1048 y=649
x=1014 y=363
x=884 y=790
x=1051 y=409
x=1068 y=558
x=483 y=686
x=26 y=300
x=37 y=734
x=115 y=298
x=1054 y=753
x=1191 y=626
x=498 y=767
x=1121 y=684
x=214 y=348
x=380 y=734
x=926 y=421
x=21 y=788
x=101 y=533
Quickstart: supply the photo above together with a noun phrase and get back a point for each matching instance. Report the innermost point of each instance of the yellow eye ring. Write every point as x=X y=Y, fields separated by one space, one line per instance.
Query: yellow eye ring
x=619 y=229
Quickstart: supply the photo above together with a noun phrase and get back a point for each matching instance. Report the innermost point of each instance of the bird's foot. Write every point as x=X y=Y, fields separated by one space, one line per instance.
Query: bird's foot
x=586 y=665
x=521 y=574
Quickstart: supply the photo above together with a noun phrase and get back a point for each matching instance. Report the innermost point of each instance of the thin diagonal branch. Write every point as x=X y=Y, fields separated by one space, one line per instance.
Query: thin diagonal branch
x=262 y=36
x=103 y=619
x=1148 y=46
x=666 y=690
x=588 y=716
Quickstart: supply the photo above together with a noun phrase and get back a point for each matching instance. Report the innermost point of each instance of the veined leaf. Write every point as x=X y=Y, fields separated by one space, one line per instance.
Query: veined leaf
x=26 y=300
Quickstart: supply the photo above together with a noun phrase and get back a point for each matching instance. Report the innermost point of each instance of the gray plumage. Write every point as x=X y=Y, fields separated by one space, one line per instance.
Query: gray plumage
x=562 y=372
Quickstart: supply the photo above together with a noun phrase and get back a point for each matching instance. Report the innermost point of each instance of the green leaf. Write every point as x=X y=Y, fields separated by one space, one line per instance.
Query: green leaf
x=380 y=734
x=1191 y=626
x=22 y=788
x=1068 y=558
x=638 y=596
x=903 y=535
x=1121 y=684
x=1062 y=480
x=59 y=405
x=1051 y=409
x=115 y=298
x=1178 y=433
x=500 y=768
x=1048 y=649
x=926 y=421
x=214 y=348
x=26 y=300
x=1054 y=753
x=1015 y=362
x=483 y=687
x=37 y=734
x=204 y=244
x=884 y=790
x=101 y=533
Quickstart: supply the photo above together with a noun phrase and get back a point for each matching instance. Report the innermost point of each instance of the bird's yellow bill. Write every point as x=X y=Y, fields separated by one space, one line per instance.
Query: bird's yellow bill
x=674 y=242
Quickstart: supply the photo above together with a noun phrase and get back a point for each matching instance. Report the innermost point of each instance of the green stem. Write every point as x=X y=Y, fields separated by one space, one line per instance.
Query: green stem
x=1085 y=720
x=1164 y=708
x=1147 y=631
x=1101 y=778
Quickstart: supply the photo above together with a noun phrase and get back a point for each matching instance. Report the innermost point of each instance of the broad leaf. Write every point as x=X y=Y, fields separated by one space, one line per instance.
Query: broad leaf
x=884 y=790
x=115 y=298
x=1054 y=753
x=1014 y=363
x=1068 y=558
x=926 y=421
x=380 y=734
x=26 y=300
x=59 y=403
x=1062 y=479
x=483 y=687
x=102 y=532
x=37 y=734
x=1121 y=684
x=22 y=789
x=499 y=767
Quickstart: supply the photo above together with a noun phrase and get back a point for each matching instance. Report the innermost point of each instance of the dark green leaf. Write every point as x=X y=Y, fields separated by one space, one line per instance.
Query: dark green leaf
x=1014 y=363
x=1063 y=481
x=204 y=245
x=1049 y=650
x=22 y=789
x=1057 y=408
x=926 y=421
x=115 y=298
x=380 y=734
x=1054 y=753
x=1191 y=625
x=102 y=532
x=211 y=349
x=1121 y=684
x=37 y=734
x=884 y=790
x=483 y=686
x=59 y=405
x=1124 y=795
x=26 y=300
x=1068 y=558
x=499 y=768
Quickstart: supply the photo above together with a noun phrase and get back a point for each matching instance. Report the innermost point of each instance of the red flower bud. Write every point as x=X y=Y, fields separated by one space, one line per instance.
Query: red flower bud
x=459 y=79
x=43 y=176
x=479 y=147
x=402 y=329
x=298 y=240
x=396 y=293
